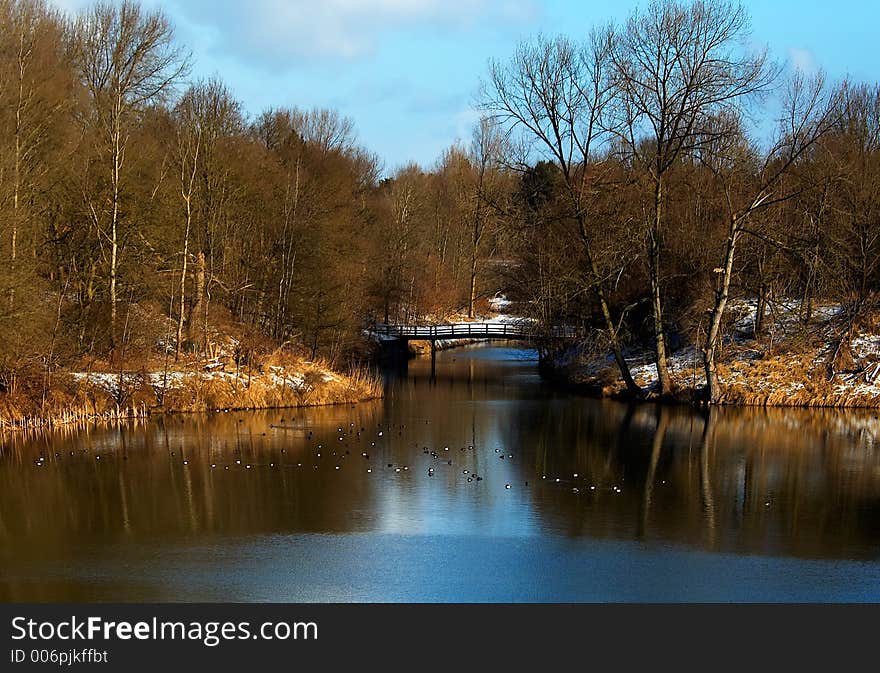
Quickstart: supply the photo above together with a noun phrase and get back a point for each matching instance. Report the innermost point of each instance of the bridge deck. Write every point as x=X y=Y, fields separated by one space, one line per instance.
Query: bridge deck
x=469 y=330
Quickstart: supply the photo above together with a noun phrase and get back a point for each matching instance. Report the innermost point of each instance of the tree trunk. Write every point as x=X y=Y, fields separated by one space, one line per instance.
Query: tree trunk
x=611 y=328
x=713 y=384
x=114 y=223
x=180 y=318
x=198 y=298
x=291 y=208
x=187 y=188
x=622 y=365
x=114 y=256
x=16 y=181
x=663 y=379
x=760 y=310
x=473 y=285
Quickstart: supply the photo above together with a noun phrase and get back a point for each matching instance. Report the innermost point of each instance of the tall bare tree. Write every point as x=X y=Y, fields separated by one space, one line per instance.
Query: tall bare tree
x=750 y=183
x=35 y=90
x=555 y=95
x=678 y=66
x=486 y=151
x=187 y=151
x=220 y=119
x=31 y=38
x=127 y=59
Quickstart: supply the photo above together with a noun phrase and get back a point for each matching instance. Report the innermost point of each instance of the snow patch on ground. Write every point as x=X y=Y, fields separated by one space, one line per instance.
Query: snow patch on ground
x=499 y=303
x=172 y=379
x=112 y=383
x=280 y=377
x=685 y=362
x=748 y=366
x=782 y=317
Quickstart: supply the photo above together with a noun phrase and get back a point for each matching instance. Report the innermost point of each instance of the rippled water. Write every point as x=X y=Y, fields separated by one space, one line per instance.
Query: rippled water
x=577 y=499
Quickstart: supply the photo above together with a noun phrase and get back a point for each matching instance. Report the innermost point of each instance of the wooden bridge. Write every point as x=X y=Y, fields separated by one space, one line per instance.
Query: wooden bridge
x=471 y=330
x=523 y=330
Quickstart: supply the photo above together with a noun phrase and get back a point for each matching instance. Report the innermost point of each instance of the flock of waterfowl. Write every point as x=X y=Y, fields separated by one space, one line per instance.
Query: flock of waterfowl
x=360 y=439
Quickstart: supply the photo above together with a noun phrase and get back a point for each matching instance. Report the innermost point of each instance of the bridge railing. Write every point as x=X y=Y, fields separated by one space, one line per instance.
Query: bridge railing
x=514 y=330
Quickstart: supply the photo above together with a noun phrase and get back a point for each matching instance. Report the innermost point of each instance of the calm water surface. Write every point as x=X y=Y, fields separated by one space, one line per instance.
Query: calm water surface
x=577 y=500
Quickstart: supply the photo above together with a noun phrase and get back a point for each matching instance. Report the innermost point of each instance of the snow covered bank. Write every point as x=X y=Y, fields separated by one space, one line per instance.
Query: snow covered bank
x=788 y=365
x=84 y=396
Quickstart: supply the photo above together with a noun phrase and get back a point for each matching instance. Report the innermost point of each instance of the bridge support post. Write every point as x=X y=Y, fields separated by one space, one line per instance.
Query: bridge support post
x=433 y=359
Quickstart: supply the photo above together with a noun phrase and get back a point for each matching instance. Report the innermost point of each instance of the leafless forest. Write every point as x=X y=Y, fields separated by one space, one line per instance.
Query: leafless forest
x=629 y=179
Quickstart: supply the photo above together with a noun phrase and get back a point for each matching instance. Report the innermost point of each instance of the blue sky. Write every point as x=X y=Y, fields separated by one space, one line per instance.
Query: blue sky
x=407 y=71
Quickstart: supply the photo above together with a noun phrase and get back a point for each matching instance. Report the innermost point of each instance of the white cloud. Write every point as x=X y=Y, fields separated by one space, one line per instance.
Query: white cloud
x=275 y=32
x=70 y=6
x=803 y=60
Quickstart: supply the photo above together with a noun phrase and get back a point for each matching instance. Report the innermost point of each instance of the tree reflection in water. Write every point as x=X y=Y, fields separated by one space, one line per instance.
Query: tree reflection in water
x=772 y=482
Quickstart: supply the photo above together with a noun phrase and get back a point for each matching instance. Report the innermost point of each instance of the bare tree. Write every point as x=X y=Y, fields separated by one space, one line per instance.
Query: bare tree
x=221 y=125
x=33 y=27
x=34 y=96
x=852 y=254
x=187 y=151
x=487 y=147
x=750 y=184
x=127 y=59
x=555 y=95
x=326 y=129
x=678 y=66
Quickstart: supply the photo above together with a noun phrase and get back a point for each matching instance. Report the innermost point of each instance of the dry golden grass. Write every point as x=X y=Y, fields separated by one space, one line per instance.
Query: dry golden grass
x=265 y=391
x=70 y=401
x=790 y=379
x=267 y=385
x=793 y=377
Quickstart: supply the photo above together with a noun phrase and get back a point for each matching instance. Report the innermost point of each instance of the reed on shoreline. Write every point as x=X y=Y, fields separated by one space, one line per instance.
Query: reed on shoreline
x=98 y=397
x=785 y=380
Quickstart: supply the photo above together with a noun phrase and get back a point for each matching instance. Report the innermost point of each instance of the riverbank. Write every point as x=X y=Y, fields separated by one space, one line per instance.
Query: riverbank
x=105 y=395
x=791 y=365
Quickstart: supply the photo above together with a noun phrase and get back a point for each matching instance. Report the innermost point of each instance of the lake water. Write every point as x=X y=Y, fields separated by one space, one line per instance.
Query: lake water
x=482 y=485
